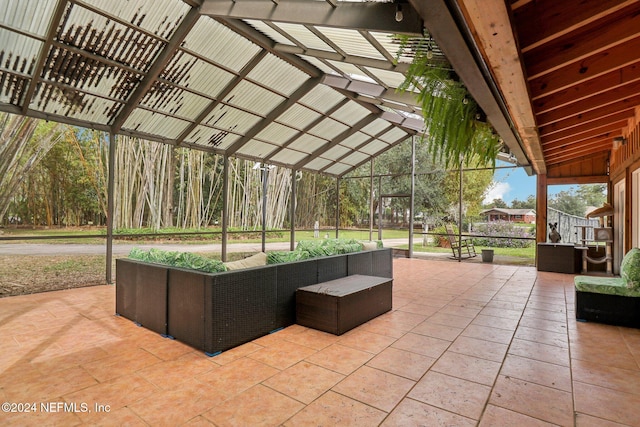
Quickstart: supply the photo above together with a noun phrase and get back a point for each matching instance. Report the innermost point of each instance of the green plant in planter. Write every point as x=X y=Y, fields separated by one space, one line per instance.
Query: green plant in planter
x=455 y=130
x=178 y=259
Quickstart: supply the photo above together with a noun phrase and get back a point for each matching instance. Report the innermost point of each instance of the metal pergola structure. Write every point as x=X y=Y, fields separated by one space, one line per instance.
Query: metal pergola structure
x=307 y=85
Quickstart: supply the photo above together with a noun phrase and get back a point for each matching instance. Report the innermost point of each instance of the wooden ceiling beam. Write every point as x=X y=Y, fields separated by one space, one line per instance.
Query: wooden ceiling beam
x=610 y=111
x=570 y=155
x=569 y=137
x=541 y=21
x=579 y=150
x=582 y=91
x=603 y=142
x=629 y=93
x=594 y=38
x=586 y=69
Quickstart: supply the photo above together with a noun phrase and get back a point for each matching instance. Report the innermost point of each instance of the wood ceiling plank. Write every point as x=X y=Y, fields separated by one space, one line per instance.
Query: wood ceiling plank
x=571 y=137
x=596 y=37
x=583 y=91
x=611 y=112
x=601 y=143
x=613 y=97
x=569 y=154
x=588 y=68
x=543 y=20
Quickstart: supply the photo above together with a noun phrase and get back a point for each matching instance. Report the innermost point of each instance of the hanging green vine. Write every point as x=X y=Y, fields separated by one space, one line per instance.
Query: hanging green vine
x=453 y=130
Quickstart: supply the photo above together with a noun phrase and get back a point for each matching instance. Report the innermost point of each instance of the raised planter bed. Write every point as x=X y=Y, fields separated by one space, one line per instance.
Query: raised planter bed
x=215 y=312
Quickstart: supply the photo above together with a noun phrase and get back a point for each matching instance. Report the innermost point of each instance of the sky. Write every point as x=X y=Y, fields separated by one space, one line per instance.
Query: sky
x=514 y=183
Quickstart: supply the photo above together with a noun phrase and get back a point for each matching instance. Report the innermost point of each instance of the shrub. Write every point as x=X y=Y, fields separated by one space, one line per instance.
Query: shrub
x=178 y=259
x=278 y=257
x=500 y=234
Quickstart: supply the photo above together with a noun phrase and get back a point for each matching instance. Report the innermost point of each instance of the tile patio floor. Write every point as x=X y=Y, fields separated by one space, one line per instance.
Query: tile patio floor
x=466 y=344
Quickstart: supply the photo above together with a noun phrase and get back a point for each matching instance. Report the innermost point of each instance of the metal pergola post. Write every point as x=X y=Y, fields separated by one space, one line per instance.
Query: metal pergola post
x=413 y=191
x=460 y=215
x=225 y=206
x=110 y=205
x=265 y=177
x=379 y=208
x=337 y=206
x=292 y=210
x=371 y=201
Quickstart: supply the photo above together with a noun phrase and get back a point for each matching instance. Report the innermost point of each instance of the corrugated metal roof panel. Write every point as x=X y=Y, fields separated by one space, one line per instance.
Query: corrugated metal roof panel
x=18 y=53
x=160 y=17
x=254 y=98
x=231 y=119
x=72 y=103
x=189 y=71
x=354 y=158
x=174 y=101
x=92 y=32
x=265 y=29
x=321 y=98
x=389 y=78
x=276 y=133
x=393 y=135
x=391 y=43
x=317 y=164
x=355 y=140
x=319 y=64
x=349 y=70
x=256 y=149
x=290 y=157
x=351 y=42
x=328 y=129
x=351 y=113
x=278 y=75
x=375 y=127
x=153 y=123
x=298 y=116
x=208 y=137
x=304 y=36
x=32 y=16
x=338 y=168
x=220 y=44
x=308 y=143
x=374 y=147
x=335 y=152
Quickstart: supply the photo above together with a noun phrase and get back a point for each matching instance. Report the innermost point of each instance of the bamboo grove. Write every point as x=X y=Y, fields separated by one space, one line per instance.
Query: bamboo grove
x=56 y=175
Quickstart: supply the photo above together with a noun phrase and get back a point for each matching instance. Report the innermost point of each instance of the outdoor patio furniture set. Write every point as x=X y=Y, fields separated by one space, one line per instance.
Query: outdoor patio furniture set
x=612 y=300
x=215 y=312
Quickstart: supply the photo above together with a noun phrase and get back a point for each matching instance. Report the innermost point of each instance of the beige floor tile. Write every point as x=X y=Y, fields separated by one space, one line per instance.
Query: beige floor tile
x=435 y=330
x=339 y=358
x=494 y=416
x=544 y=403
x=258 y=406
x=541 y=352
x=470 y=368
x=360 y=339
x=401 y=362
x=413 y=413
x=374 y=387
x=453 y=394
x=501 y=336
x=304 y=381
x=543 y=337
x=607 y=404
x=333 y=409
x=427 y=346
x=237 y=376
x=543 y=373
x=479 y=348
x=283 y=355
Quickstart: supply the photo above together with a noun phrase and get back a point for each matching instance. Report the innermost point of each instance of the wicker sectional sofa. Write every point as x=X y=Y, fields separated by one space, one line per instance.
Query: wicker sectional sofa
x=611 y=300
x=215 y=312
